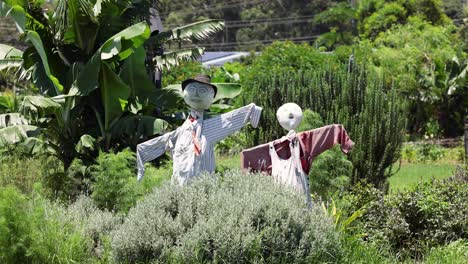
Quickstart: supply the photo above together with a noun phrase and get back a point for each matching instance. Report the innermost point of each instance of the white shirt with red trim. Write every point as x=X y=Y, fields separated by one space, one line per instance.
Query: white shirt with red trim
x=186 y=163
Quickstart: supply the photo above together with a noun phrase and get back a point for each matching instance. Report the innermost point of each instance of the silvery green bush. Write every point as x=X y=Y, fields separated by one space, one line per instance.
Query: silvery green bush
x=237 y=218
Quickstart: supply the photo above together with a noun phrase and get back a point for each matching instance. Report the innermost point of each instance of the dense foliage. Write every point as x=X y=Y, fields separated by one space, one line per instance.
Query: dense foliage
x=235 y=218
x=38 y=231
x=347 y=94
x=426 y=65
x=432 y=214
x=87 y=93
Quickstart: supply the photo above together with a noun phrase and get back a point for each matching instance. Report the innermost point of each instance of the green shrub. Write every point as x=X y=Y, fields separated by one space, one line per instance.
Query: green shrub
x=231 y=145
x=345 y=94
x=238 y=218
x=310 y=120
x=331 y=171
x=115 y=186
x=453 y=253
x=422 y=152
x=432 y=214
x=358 y=251
x=430 y=152
x=409 y=153
x=35 y=230
x=15 y=226
x=25 y=172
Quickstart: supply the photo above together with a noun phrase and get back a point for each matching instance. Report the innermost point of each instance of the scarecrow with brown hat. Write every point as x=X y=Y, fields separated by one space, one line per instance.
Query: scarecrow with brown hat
x=192 y=144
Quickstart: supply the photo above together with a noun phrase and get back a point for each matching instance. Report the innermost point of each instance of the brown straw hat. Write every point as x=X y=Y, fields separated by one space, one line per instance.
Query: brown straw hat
x=201 y=78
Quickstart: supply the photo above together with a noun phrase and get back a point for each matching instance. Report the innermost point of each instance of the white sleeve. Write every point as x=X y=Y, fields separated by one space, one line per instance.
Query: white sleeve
x=151 y=149
x=226 y=124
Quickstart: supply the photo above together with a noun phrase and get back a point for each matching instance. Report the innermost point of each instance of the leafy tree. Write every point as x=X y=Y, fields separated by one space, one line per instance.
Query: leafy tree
x=375 y=16
x=426 y=65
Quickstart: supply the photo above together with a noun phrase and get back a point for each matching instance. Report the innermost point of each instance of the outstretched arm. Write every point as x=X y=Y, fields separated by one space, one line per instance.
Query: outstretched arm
x=151 y=149
x=316 y=141
x=221 y=126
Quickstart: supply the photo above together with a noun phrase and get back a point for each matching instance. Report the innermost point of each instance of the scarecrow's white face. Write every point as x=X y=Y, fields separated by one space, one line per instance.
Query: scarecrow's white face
x=289 y=116
x=198 y=96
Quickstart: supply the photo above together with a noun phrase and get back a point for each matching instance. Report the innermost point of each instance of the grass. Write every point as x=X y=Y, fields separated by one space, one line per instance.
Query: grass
x=411 y=174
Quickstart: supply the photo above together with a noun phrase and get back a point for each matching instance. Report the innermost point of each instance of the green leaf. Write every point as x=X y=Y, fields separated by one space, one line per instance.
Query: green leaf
x=170 y=98
x=118 y=47
x=36 y=41
x=34 y=107
x=9 y=64
x=140 y=125
x=220 y=108
x=86 y=144
x=122 y=44
x=15 y=134
x=12 y=119
x=35 y=146
x=113 y=92
x=174 y=58
x=87 y=80
x=134 y=74
x=19 y=15
x=9 y=52
x=227 y=90
x=82 y=26
x=197 y=31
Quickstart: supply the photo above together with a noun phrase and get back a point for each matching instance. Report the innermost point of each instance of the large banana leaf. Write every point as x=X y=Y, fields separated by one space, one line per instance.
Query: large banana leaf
x=134 y=74
x=10 y=58
x=12 y=119
x=118 y=47
x=196 y=31
x=16 y=10
x=9 y=52
x=114 y=94
x=14 y=134
x=82 y=26
x=173 y=58
x=38 y=106
x=86 y=144
x=36 y=41
x=227 y=90
x=122 y=44
x=33 y=146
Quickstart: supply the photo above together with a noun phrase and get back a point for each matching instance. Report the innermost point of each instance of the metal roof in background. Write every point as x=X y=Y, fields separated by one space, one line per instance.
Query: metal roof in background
x=219 y=58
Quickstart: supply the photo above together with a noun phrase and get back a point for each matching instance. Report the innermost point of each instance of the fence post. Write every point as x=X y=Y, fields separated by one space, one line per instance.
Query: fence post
x=466 y=138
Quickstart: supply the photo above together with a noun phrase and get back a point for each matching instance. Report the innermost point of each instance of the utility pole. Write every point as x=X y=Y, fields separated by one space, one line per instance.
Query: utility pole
x=157 y=27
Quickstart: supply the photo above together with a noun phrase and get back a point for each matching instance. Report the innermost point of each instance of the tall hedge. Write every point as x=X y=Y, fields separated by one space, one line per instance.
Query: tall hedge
x=341 y=93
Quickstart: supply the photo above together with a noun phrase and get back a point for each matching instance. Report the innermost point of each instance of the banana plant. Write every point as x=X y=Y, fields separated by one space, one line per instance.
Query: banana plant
x=88 y=60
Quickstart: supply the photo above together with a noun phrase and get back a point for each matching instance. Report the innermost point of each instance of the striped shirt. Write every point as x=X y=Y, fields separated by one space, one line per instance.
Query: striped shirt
x=186 y=164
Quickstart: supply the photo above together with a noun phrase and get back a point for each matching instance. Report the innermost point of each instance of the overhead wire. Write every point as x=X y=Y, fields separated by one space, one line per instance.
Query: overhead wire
x=253 y=42
x=225 y=6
